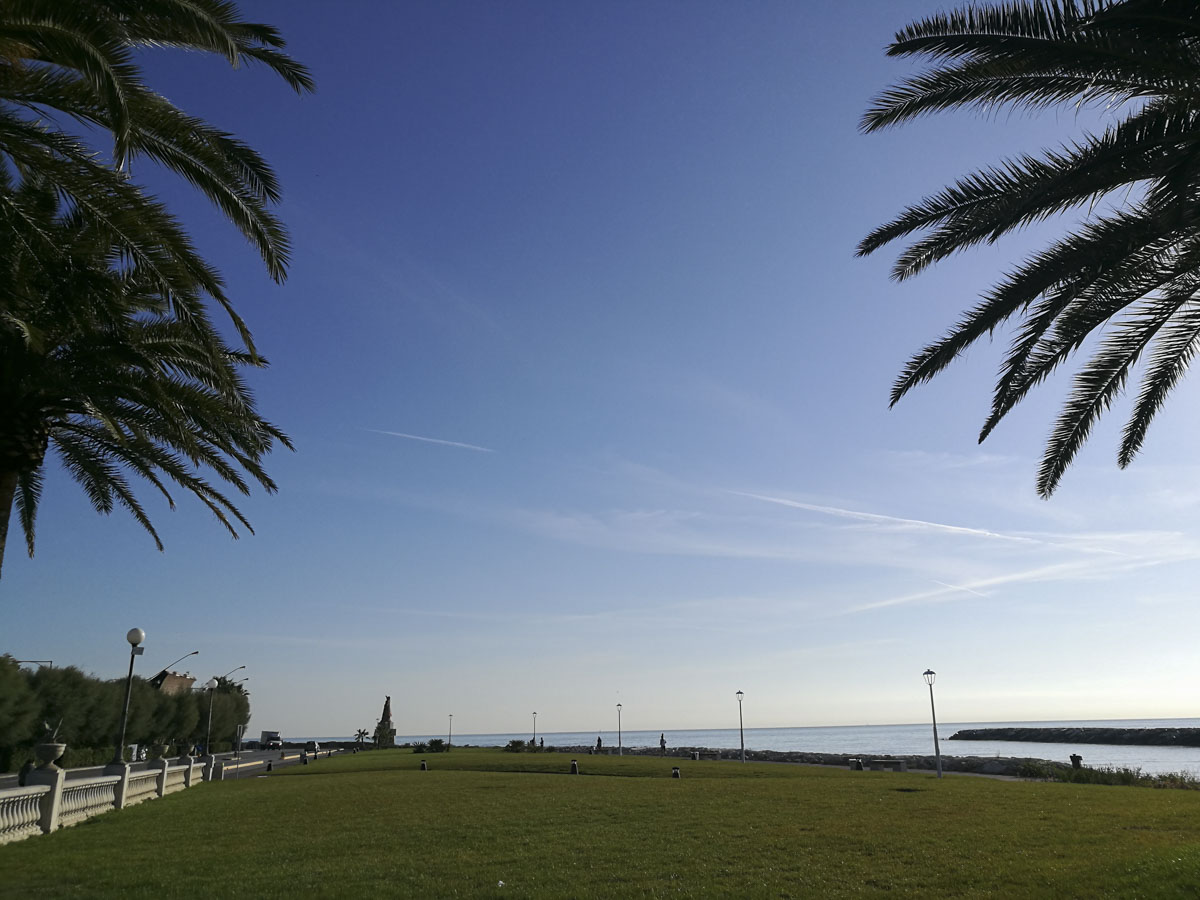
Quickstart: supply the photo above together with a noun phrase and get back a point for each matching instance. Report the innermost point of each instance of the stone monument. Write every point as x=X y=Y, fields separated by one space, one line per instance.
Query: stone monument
x=385 y=733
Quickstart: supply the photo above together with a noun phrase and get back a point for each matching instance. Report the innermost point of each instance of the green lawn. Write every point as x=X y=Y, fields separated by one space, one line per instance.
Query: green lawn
x=373 y=823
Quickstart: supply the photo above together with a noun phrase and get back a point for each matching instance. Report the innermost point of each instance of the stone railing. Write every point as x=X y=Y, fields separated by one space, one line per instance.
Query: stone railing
x=83 y=798
x=177 y=779
x=52 y=799
x=142 y=786
x=21 y=812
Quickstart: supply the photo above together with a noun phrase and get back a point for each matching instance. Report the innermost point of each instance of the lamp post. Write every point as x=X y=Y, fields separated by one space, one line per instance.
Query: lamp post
x=135 y=638
x=450 y=734
x=181 y=659
x=211 y=684
x=231 y=671
x=930 y=676
x=741 y=729
x=535 y=729
x=620 y=747
x=241 y=728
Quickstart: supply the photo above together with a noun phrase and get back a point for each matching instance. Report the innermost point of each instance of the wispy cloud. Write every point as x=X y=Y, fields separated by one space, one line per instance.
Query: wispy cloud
x=1069 y=542
x=959 y=587
x=878 y=518
x=429 y=440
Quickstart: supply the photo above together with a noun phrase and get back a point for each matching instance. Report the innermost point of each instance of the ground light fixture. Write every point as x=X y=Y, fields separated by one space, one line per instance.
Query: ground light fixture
x=930 y=677
x=620 y=747
x=741 y=729
x=135 y=636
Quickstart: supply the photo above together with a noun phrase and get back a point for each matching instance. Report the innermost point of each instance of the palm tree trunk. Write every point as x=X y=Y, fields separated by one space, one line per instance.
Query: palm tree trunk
x=8 y=488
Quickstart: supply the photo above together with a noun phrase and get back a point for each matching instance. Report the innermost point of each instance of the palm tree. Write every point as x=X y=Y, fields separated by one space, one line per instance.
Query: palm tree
x=360 y=736
x=1128 y=274
x=98 y=364
x=75 y=60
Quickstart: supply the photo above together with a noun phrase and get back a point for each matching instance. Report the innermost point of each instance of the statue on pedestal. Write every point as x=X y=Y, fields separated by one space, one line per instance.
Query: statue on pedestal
x=385 y=733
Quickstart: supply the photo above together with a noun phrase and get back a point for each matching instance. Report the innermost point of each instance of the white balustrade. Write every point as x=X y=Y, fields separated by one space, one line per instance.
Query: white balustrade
x=176 y=780
x=142 y=786
x=20 y=812
x=83 y=798
x=55 y=800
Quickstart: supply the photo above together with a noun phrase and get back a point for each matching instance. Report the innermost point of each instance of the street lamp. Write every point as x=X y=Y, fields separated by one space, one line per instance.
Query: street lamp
x=620 y=749
x=211 y=684
x=135 y=638
x=930 y=676
x=535 y=729
x=167 y=668
x=231 y=671
x=450 y=735
x=741 y=730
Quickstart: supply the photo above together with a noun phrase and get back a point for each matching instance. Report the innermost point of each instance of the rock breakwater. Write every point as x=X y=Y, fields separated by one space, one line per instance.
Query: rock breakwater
x=1148 y=737
x=1022 y=767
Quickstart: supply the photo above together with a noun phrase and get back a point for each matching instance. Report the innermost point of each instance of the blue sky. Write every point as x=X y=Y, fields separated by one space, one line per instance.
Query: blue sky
x=590 y=399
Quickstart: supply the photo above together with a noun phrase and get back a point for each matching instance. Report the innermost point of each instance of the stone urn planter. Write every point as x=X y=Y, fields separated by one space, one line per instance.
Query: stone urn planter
x=48 y=754
x=159 y=751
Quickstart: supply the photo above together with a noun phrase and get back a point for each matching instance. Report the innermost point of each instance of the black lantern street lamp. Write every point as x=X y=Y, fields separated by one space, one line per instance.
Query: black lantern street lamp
x=135 y=638
x=930 y=676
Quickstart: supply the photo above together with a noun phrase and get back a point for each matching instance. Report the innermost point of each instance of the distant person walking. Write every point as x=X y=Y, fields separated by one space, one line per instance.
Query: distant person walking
x=662 y=743
x=599 y=743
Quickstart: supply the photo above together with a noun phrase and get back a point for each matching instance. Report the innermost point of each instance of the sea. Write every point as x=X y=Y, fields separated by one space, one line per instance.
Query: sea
x=890 y=740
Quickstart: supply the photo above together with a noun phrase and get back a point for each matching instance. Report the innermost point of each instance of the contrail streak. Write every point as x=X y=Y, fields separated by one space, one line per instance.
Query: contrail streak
x=429 y=440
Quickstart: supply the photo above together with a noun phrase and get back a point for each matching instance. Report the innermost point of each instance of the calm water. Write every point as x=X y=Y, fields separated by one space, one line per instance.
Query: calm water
x=886 y=739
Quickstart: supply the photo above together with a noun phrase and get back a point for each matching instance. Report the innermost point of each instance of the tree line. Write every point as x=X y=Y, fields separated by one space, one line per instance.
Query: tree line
x=85 y=712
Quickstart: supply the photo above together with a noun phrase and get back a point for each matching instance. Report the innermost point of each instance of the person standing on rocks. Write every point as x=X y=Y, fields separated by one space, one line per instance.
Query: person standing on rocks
x=662 y=743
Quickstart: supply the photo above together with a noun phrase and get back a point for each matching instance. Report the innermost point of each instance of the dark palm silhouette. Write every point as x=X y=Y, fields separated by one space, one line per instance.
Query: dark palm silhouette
x=1127 y=276
x=98 y=364
x=77 y=60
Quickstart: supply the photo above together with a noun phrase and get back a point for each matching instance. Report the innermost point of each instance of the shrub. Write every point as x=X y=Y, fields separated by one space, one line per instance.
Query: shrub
x=420 y=747
x=437 y=745
x=516 y=745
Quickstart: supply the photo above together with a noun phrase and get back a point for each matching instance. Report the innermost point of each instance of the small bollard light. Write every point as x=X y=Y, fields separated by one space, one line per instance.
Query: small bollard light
x=574 y=767
x=696 y=756
x=675 y=771
x=269 y=765
x=424 y=767
x=304 y=759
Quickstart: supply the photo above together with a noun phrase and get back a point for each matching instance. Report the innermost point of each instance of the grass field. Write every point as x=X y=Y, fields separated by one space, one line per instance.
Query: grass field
x=484 y=823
